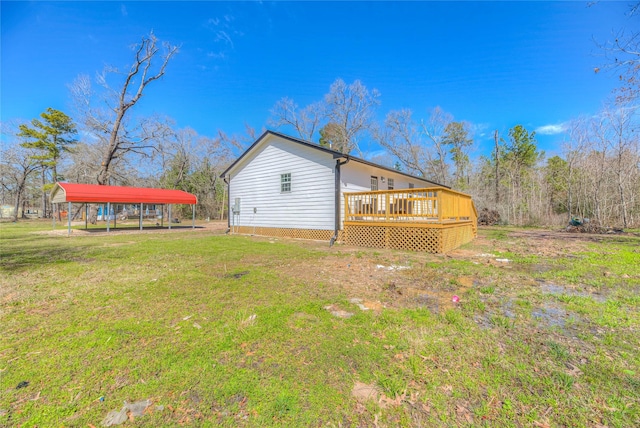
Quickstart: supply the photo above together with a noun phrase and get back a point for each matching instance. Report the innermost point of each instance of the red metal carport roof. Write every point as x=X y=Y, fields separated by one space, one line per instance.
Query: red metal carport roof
x=71 y=192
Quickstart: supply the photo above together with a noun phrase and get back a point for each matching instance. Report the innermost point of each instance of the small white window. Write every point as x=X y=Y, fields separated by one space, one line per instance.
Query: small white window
x=374 y=183
x=390 y=183
x=285 y=182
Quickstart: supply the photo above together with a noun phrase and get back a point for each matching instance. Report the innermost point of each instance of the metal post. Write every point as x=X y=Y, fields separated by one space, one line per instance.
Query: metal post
x=53 y=219
x=108 y=215
x=141 y=206
x=86 y=216
x=69 y=217
x=169 y=216
x=162 y=217
x=193 y=217
x=115 y=216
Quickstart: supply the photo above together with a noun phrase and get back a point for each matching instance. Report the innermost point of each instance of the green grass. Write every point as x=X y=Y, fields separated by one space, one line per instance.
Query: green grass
x=224 y=331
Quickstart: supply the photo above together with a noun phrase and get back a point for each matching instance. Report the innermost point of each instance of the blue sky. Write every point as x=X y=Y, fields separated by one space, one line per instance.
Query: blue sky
x=494 y=64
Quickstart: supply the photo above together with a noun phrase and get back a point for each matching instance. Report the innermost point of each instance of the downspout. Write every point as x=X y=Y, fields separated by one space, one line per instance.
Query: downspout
x=228 y=203
x=337 y=210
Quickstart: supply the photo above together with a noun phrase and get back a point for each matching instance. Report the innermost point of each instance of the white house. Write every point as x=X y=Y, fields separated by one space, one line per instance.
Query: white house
x=284 y=186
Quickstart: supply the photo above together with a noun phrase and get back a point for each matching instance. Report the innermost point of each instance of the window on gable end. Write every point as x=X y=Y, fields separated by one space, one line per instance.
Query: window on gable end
x=285 y=182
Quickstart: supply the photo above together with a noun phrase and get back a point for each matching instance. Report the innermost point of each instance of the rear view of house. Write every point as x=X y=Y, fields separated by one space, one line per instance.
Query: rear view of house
x=287 y=187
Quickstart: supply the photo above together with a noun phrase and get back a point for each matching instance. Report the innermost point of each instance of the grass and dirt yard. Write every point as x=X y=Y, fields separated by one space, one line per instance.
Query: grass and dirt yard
x=197 y=328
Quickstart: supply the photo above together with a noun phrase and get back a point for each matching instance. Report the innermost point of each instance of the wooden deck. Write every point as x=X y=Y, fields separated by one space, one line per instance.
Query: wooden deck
x=433 y=219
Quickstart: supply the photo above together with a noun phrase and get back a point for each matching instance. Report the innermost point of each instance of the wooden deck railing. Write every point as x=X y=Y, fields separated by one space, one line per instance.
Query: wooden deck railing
x=428 y=205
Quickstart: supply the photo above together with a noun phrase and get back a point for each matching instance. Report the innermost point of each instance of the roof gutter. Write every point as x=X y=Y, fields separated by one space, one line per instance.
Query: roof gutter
x=339 y=162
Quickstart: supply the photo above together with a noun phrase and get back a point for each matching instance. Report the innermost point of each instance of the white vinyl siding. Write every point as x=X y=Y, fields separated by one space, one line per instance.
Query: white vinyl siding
x=258 y=181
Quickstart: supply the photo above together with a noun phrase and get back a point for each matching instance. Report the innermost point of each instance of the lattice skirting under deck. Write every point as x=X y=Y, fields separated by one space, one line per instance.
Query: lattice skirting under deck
x=430 y=239
x=313 y=234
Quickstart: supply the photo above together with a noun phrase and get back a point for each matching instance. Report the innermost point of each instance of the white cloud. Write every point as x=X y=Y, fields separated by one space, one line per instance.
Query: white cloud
x=213 y=21
x=223 y=36
x=218 y=55
x=551 y=129
x=123 y=10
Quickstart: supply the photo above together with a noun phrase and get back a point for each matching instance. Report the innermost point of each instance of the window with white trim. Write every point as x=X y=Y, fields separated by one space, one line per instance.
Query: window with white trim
x=285 y=182
x=390 y=183
x=374 y=183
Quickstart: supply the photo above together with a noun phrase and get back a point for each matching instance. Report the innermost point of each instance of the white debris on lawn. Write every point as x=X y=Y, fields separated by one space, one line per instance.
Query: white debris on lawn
x=392 y=267
x=503 y=260
x=357 y=301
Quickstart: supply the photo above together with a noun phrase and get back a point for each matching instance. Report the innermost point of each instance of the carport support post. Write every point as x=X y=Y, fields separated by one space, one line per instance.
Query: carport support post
x=193 y=216
x=86 y=216
x=108 y=215
x=69 y=217
x=141 y=206
x=169 y=216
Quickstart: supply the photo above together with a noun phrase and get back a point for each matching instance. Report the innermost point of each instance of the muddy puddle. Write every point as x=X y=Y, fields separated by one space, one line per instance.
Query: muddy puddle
x=551 y=315
x=560 y=290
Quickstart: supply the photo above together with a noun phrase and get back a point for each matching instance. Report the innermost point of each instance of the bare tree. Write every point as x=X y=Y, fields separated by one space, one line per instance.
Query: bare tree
x=118 y=136
x=623 y=140
x=623 y=54
x=401 y=137
x=305 y=121
x=434 y=129
x=573 y=150
x=17 y=165
x=350 y=108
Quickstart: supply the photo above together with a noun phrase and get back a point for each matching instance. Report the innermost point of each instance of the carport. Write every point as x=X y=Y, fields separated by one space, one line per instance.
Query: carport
x=96 y=194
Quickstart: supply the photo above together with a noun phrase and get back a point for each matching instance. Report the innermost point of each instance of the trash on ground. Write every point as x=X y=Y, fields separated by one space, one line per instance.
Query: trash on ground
x=22 y=384
x=249 y=321
x=337 y=312
x=134 y=410
x=392 y=267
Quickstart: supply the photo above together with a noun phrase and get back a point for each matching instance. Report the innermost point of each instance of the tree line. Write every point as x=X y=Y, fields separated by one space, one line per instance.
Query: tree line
x=595 y=175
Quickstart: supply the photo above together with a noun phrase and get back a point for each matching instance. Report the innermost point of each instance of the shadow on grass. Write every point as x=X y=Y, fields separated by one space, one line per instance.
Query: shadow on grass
x=33 y=251
x=134 y=229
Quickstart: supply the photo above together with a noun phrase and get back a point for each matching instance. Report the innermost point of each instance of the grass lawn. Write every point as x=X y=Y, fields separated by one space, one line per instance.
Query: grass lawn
x=249 y=331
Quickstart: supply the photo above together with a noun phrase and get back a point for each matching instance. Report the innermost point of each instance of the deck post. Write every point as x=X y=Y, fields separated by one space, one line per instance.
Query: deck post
x=193 y=217
x=170 y=217
x=346 y=207
x=108 y=216
x=141 y=207
x=387 y=197
x=439 y=207
x=69 y=218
